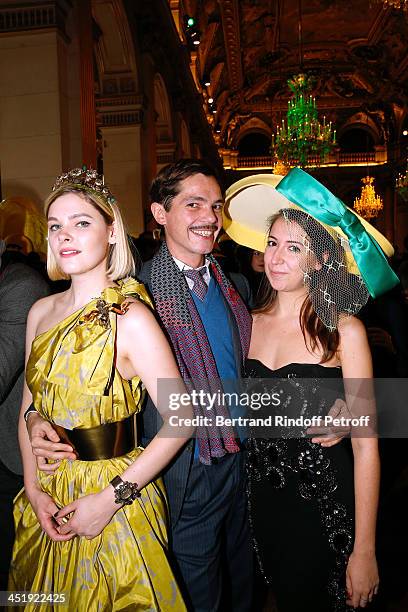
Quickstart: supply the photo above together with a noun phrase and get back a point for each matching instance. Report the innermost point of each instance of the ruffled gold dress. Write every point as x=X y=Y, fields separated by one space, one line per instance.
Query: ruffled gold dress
x=74 y=383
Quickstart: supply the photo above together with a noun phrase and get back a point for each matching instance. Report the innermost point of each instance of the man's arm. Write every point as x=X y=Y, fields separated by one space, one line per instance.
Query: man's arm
x=45 y=443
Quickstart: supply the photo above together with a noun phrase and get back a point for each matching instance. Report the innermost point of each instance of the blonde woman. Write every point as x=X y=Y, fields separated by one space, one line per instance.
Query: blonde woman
x=94 y=528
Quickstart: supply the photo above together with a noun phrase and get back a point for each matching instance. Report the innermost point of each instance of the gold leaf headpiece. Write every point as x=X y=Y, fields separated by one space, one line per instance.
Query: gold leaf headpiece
x=85 y=179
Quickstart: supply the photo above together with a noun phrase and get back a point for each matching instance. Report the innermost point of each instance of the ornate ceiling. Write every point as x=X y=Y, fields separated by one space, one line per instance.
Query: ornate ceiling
x=355 y=49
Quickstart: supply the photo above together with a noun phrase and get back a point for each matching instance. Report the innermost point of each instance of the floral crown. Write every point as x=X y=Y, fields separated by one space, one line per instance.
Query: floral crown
x=85 y=179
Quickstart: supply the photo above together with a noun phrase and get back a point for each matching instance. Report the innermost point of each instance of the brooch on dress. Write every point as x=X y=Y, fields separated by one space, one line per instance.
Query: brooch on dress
x=101 y=313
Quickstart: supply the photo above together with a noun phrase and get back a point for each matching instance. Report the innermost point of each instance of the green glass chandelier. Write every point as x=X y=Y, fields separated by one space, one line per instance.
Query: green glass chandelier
x=302 y=140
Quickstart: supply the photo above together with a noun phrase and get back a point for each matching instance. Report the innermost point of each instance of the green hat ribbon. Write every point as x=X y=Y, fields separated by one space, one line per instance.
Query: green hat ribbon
x=315 y=199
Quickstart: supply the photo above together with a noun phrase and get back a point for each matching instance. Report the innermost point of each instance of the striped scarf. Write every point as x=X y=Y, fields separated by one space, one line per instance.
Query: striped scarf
x=178 y=313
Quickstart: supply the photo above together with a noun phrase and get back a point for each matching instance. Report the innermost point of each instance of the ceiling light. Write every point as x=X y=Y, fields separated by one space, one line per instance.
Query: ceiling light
x=302 y=139
x=369 y=204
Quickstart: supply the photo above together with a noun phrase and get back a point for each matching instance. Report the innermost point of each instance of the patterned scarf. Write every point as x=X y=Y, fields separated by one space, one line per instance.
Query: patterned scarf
x=178 y=313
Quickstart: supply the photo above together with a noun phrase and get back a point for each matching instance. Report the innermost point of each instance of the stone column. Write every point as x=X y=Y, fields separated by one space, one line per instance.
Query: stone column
x=87 y=97
x=122 y=155
x=39 y=95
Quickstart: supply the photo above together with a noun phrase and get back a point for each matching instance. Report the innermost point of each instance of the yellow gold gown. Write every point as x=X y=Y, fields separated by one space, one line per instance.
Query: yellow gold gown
x=126 y=566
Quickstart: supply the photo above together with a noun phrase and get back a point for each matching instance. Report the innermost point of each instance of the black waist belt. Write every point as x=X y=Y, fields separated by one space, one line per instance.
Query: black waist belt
x=100 y=442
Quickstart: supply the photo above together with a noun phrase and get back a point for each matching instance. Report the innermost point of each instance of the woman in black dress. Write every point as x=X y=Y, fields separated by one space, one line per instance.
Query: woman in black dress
x=312 y=509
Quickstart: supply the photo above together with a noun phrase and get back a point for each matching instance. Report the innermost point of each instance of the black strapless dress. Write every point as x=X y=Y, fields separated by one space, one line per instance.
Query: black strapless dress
x=301 y=496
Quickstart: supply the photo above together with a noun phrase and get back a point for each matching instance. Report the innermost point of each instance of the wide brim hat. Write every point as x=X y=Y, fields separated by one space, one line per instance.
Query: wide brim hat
x=251 y=201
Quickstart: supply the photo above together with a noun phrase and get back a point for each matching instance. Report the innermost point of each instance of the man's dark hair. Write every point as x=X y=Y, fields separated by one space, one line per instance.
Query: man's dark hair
x=166 y=185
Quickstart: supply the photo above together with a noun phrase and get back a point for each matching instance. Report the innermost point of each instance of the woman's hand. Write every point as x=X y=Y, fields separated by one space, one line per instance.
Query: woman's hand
x=361 y=579
x=45 y=509
x=91 y=514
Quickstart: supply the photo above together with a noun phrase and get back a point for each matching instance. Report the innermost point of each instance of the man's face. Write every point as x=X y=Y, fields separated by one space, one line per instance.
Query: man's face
x=194 y=220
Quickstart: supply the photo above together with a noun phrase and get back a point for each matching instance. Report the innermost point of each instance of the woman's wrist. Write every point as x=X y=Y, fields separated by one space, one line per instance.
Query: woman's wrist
x=32 y=489
x=108 y=498
x=363 y=551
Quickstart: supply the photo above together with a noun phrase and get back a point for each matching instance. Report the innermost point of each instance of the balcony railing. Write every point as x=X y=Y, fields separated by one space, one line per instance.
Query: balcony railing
x=336 y=159
x=255 y=162
x=44 y=15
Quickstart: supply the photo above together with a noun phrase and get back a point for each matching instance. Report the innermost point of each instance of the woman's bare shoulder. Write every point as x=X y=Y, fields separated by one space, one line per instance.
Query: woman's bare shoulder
x=351 y=329
x=137 y=331
x=43 y=308
x=136 y=317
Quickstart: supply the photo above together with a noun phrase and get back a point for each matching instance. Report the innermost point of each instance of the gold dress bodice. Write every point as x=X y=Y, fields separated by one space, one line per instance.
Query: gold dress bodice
x=71 y=370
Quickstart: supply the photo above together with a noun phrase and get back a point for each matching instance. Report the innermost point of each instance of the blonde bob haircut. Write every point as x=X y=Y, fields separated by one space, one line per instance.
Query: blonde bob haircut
x=120 y=262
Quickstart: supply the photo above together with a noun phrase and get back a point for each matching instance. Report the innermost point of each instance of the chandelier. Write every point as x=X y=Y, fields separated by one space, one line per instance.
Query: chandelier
x=398 y=4
x=280 y=167
x=302 y=140
x=369 y=204
x=402 y=185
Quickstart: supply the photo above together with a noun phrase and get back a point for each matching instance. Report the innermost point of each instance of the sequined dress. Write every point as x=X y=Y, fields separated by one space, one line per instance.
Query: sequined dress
x=74 y=383
x=300 y=495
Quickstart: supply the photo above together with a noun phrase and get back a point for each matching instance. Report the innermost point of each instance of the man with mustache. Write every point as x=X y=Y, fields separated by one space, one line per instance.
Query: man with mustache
x=209 y=327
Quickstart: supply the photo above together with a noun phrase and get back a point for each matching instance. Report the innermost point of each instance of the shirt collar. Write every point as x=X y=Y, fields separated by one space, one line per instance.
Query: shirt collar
x=182 y=266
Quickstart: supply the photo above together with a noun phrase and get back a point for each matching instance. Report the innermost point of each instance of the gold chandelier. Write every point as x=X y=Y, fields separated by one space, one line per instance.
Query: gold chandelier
x=369 y=204
x=401 y=184
x=398 y=4
x=280 y=167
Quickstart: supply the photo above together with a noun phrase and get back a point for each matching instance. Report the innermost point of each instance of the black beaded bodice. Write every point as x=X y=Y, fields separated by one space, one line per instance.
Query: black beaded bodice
x=287 y=455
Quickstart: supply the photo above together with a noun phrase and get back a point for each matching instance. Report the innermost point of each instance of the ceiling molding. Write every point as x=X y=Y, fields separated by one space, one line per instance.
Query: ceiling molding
x=231 y=29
